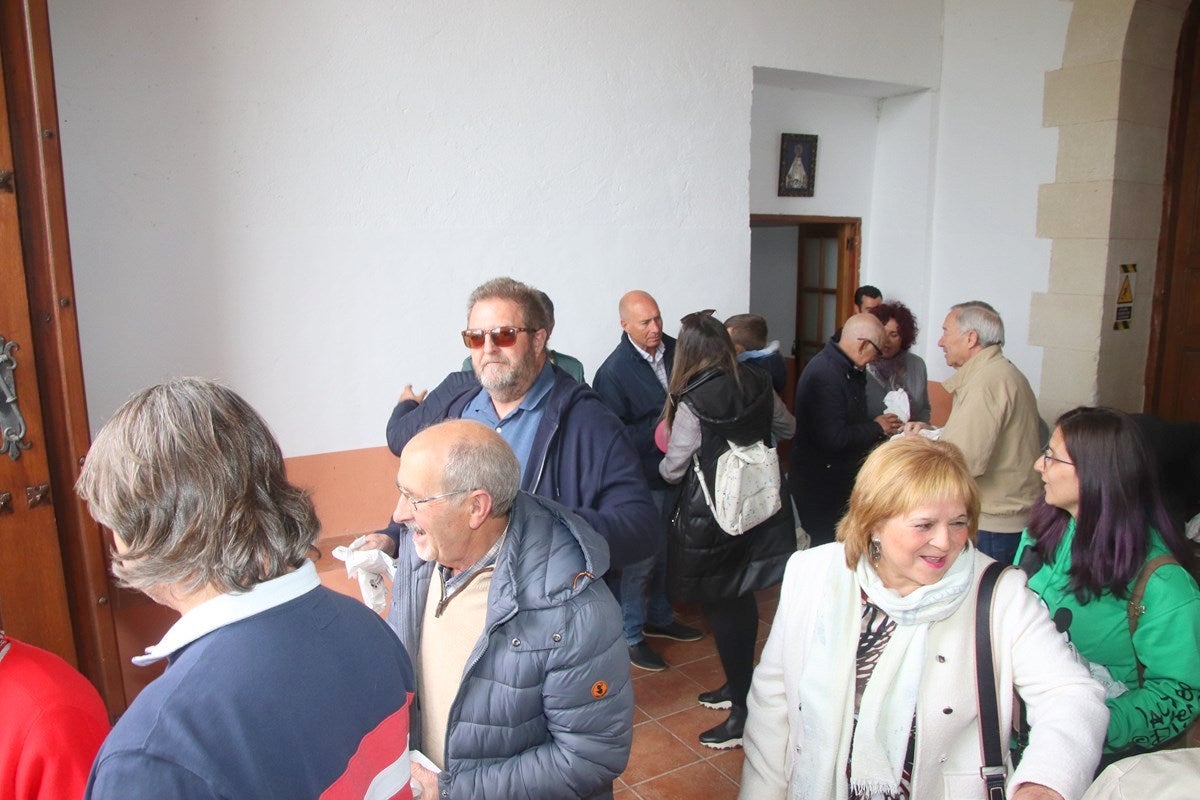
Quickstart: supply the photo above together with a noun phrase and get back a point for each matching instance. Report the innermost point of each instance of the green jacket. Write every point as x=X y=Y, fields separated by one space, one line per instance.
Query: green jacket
x=1167 y=642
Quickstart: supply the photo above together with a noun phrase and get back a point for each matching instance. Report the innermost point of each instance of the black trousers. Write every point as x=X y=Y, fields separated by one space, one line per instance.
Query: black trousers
x=734 y=625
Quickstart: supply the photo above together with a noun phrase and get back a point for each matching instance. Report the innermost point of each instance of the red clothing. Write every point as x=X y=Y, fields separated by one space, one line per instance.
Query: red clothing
x=52 y=722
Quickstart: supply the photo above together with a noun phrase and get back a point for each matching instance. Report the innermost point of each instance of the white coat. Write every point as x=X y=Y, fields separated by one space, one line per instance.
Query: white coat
x=1066 y=707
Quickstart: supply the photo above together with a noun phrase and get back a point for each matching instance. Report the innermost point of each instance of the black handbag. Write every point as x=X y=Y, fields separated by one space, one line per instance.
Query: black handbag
x=993 y=772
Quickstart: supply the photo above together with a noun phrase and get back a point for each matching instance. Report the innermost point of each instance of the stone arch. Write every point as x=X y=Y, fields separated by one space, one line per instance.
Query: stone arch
x=1111 y=103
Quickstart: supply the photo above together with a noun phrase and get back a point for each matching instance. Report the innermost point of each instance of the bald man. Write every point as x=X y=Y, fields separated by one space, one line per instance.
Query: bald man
x=833 y=432
x=632 y=382
x=523 y=685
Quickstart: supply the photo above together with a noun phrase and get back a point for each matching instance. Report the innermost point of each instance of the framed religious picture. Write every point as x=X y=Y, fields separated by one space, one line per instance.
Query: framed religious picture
x=797 y=165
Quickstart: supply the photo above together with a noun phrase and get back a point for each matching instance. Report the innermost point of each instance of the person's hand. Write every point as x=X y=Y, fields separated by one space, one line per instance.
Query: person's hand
x=889 y=422
x=1035 y=791
x=429 y=782
x=409 y=394
x=376 y=541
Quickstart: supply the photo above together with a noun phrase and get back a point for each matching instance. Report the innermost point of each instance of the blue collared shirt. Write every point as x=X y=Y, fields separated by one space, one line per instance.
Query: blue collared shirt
x=520 y=427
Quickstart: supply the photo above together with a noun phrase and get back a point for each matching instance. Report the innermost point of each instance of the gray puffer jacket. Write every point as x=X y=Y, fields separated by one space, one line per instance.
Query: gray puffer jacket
x=545 y=707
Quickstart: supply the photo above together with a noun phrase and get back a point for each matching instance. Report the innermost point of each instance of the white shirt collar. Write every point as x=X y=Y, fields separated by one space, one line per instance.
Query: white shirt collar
x=652 y=357
x=228 y=608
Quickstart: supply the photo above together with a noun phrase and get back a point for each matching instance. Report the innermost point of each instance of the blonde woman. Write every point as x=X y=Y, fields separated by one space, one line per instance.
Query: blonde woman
x=867 y=687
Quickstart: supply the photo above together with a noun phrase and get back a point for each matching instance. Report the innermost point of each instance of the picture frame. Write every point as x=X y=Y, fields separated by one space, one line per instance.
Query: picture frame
x=797 y=164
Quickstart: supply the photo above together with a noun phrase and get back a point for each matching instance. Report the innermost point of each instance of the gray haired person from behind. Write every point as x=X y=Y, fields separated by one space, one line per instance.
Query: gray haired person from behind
x=204 y=521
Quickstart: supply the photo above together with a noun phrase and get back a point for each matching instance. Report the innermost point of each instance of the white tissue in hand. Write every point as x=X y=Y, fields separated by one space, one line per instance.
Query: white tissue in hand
x=1112 y=687
x=369 y=566
x=896 y=402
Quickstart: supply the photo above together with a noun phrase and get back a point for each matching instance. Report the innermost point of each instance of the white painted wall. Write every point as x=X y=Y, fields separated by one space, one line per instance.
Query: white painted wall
x=297 y=197
x=896 y=256
x=846 y=129
x=991 y=155
x=875 y=154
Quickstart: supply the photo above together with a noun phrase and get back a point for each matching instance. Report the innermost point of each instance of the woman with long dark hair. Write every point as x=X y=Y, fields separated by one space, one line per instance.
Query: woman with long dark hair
x=712 y=401
x=1090 y=537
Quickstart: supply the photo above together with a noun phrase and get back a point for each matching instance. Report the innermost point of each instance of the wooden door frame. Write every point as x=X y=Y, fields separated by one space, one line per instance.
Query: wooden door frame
x=852 y=245
x=37 y=162
x=1180 y=107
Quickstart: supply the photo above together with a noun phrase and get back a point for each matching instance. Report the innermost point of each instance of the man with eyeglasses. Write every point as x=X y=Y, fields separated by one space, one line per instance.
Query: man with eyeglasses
x=994 y=421
x=833 y=432
x=632 y=382
x=523 y=684
x=570 y=447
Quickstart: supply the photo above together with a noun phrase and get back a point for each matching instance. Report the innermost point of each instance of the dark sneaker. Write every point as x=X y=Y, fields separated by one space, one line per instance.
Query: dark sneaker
x=676 y=631
x=721 y=698
x=642 y=657
x=728 y=734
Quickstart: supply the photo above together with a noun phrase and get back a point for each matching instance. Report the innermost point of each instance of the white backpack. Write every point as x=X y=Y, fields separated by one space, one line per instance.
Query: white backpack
x=746 y=486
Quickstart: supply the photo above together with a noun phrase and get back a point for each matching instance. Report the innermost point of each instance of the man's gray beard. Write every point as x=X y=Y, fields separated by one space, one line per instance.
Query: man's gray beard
x=508 y=383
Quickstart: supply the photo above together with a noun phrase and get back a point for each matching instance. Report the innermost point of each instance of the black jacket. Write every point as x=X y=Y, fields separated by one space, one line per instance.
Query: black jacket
x=704 y=562
x=833 y=431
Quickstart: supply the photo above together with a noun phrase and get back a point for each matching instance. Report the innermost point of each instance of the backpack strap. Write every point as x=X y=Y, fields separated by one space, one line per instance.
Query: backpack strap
x=993 y=770
x=1136 y=609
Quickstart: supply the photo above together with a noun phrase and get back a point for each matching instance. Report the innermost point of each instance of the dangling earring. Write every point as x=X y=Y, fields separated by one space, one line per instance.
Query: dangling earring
x=876 y=549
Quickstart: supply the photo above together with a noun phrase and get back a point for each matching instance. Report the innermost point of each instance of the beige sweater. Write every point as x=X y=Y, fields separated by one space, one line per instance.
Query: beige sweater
x=446 y=644
x=994 y=421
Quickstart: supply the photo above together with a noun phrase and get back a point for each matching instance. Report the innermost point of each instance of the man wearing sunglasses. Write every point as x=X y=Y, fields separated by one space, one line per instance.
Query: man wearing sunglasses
x=571 y=448
x=833 y=432
x=568 y=364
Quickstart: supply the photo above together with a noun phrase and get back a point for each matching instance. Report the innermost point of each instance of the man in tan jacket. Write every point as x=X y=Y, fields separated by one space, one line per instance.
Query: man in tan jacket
x=994 y=421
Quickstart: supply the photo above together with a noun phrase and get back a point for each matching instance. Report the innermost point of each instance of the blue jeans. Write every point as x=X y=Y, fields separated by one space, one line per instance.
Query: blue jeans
x=644 y=597
x=1000 y=546
x=642 y=589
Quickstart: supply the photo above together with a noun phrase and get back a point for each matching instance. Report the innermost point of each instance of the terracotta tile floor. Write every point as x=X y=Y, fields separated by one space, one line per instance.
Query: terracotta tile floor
x=667 y=760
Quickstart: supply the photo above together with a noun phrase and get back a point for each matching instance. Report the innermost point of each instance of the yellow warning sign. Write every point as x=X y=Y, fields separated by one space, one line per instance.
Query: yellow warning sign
x=1121 y=325
x=1126 y=295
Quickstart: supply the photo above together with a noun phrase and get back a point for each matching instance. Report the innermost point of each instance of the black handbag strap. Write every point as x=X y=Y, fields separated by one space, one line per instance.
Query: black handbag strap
x=993 y=770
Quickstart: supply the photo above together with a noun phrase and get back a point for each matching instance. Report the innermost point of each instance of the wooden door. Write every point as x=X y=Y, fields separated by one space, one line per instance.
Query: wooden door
x=826 y=277
x=1173 y=368
x=33 y=594
x=54 y=588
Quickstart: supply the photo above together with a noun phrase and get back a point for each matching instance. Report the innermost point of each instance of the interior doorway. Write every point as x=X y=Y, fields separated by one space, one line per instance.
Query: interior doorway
x=1173 y=365
x=803 y=273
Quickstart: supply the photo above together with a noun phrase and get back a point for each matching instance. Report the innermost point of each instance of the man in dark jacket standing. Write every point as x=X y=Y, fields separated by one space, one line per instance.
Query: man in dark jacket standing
x=632 y=382
x=570 y=446
x=523 y=686
x=833 y=431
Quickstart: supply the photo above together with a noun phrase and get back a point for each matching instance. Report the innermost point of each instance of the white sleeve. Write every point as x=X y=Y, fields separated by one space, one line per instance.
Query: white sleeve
x=766 y=767
x=1067 y=715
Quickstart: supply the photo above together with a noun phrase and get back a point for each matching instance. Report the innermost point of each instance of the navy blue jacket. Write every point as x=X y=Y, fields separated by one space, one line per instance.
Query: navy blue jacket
x=581 y=458
x=627 y=384
x=272 y=707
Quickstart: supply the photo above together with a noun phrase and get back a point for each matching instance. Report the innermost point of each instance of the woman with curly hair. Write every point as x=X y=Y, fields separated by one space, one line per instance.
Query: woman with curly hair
x=898 y=368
